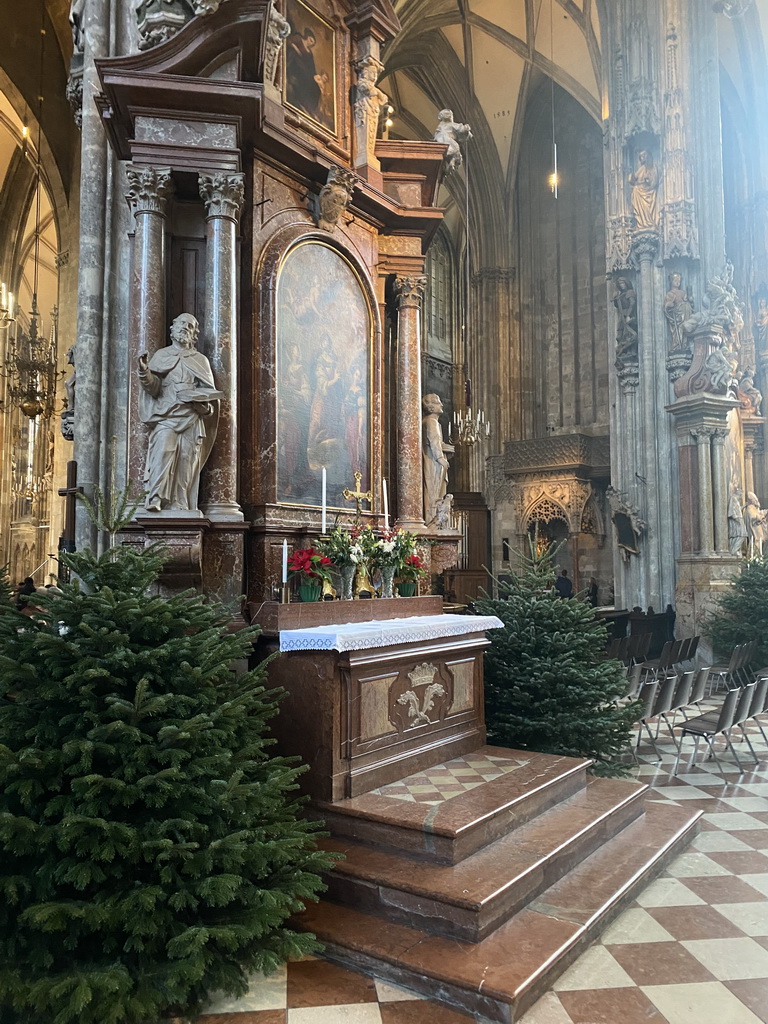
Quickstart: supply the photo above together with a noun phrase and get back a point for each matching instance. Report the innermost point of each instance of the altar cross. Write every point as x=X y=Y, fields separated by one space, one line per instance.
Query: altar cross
x=70 y=492
x=358 y=495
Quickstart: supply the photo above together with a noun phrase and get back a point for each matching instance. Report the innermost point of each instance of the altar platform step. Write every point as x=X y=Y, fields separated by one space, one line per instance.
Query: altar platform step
x=449 y=812
x=502 y=975
x=470 y=899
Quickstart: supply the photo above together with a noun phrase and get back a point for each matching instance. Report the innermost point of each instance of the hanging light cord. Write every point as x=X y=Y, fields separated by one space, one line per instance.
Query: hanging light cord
x=38 y=158
x=552 y=93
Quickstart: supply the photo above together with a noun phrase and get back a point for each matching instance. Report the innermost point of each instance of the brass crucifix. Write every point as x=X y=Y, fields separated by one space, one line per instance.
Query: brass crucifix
x=357 y=495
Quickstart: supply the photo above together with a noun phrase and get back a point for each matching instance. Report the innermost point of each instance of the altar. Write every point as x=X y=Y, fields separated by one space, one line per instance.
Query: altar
x=369 y=702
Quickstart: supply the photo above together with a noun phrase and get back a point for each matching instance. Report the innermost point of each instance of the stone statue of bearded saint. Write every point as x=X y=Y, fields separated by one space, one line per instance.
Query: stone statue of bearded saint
x=180 y=405
x=434 y=458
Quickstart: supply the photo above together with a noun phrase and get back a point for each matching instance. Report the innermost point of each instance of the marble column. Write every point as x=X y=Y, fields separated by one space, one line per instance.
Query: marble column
x=148 y=191
x=720 y=489
x=223 y=197
x=410 y=496
x=749 y=467
x=706 y=533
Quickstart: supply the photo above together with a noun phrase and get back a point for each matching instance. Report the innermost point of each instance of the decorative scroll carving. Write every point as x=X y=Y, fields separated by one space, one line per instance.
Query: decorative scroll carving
x=160 y=20
x=629 y=524
x=222 y=194
x=333 y=199
x=278 y=31
x=148 y=189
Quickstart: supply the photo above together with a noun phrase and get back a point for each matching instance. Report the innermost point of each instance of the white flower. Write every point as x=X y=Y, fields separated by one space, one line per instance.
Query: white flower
x=387 y=545
x=356 y=553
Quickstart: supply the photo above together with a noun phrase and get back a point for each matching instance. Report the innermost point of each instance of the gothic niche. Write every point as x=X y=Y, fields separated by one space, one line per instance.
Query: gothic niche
x=547 y=525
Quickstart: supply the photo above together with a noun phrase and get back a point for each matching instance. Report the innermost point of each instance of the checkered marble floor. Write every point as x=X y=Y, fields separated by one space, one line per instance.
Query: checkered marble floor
x=435 y=785
x=691 y=949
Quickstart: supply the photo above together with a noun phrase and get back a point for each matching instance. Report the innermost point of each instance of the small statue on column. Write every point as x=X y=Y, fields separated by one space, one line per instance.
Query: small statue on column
x=369 y=100
x=451 y=134
x=756 y=525
x=625 y=301
x=678 y=309
x=434 y=459
x=737 y=528
x=645 y=193
x=278 y=31
x=179 y=403
x=68 y=416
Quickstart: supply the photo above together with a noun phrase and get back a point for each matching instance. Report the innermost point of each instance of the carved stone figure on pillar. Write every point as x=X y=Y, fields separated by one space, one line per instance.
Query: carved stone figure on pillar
x=77 y=22
x=761 y=325
x=757 y=529
x=645 y=193
x=278 y=31
x=68 y=416
x=434 y=458
x=678 y=309
x=450 y=133
x=737 y=528
x=751 y=397
x=625 y=301
x=369 y=100
x=180 y=405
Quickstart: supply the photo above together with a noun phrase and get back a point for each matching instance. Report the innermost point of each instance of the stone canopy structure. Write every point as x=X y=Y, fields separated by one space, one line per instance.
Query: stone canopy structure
x=271 y=169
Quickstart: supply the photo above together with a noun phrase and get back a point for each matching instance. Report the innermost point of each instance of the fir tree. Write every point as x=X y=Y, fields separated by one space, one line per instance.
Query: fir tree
x=548 y=685
x=742 y=613
x=151 y=847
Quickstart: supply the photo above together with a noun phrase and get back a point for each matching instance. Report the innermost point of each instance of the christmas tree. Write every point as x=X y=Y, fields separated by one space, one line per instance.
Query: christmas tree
x=151 y=847
x=742 y=613
x=548 y=685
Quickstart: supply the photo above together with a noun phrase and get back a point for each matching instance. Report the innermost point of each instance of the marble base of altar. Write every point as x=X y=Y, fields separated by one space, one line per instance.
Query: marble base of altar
x=408 y=695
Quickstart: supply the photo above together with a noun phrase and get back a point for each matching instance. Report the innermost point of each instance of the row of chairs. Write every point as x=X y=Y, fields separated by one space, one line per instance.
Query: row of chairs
x=737 y=670
x=660 y=698
x=742 y=704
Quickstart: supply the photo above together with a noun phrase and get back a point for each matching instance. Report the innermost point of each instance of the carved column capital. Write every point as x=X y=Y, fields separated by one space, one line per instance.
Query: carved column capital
x=702 y=434
x=645 y=245
x=223 y=194
x=410 y=290
x=148 y=189
x=719 y=435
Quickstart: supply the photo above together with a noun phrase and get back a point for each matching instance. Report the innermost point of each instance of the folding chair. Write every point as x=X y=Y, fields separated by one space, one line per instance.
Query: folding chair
x=759 y=704
x=723 y=673
x=647 y=697
x=710 y=725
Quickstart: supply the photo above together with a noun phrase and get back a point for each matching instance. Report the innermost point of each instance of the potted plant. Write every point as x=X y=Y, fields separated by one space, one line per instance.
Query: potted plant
x=312 y=569
x=412 y=570
x=390 y=555
x=346 y=550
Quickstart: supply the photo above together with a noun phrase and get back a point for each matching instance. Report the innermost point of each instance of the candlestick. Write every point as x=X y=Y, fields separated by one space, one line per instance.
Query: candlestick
x=322 y=523
x=385 y=495
x=285 y=561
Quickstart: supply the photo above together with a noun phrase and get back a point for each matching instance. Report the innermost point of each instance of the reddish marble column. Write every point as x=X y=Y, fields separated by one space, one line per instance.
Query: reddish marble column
x=223 y=197
x=703 y=437
x=147 y=195
x=410 y=496
x=720 y=489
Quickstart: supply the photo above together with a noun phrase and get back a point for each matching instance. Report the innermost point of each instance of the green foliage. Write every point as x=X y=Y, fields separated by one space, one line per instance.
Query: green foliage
x=151 y=848
x=548 y=686
x=6 y=590
x=742 y=613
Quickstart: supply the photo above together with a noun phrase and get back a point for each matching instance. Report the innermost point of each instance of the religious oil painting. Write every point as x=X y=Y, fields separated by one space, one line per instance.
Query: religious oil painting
x=324 y=349
x=310 y=65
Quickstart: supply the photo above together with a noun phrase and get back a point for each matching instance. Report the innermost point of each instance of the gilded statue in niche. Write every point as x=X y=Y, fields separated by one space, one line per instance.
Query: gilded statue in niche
x=323 y=354
x=310 y=65
x=645 y=193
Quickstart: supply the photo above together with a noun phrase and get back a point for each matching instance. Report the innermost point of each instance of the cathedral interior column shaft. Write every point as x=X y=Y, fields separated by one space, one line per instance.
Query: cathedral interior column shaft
x=147 y=195
x=223 y=196
x=720 y=490
x=704 y=453
x=410 y=498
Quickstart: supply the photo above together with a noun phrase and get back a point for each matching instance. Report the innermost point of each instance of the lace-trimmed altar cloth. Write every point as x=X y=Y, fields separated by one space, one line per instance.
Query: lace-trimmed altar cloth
x=361 y=636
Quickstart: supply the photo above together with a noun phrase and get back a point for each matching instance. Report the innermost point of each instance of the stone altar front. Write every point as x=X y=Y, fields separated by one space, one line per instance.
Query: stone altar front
x=370 y=702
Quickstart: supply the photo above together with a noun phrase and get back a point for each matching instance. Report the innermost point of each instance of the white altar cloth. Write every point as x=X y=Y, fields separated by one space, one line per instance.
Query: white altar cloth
x=361 y=636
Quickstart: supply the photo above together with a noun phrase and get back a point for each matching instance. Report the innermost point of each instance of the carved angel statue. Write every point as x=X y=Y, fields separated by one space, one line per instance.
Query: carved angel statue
x=369 y=99
x=751 y=397
x=737 y=528
x=451 y=134
x=757 y=528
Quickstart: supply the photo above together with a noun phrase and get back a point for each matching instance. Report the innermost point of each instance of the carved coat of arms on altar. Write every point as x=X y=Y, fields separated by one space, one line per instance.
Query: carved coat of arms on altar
x=425 y=700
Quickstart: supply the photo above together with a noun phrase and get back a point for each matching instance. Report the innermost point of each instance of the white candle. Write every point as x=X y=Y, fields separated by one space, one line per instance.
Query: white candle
x=285 y=561
x=322 y=523
x=386 y=503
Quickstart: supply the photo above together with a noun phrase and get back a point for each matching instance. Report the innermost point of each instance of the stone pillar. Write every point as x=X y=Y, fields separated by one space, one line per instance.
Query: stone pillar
x=410 y=496
x=223 y=197
x=706 y=530
x=147 y=195
x=148 y=192
x=720 y=489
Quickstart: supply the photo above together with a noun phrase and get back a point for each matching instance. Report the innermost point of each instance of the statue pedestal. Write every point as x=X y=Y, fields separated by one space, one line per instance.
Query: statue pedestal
x=701 y=580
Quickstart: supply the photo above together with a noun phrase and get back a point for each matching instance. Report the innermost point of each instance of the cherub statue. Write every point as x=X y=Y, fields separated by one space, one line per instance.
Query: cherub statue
x=451 y=134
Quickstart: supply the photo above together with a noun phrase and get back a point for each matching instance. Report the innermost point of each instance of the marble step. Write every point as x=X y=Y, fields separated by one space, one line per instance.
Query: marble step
x=448 y=831
x=470 y=899
x=502 y=976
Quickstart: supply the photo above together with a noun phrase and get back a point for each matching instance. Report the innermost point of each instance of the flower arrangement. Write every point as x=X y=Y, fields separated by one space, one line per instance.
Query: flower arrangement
x=309 y=565
x=412 y=570
x=393 y=548
x=349 y=547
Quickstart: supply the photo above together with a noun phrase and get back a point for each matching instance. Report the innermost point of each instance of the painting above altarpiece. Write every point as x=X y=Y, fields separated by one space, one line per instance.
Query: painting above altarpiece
x=324 y=358
x=310 y=65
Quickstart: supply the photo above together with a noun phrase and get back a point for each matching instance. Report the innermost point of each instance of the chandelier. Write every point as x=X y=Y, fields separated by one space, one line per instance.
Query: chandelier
x=30 y=358
x=469 y=428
